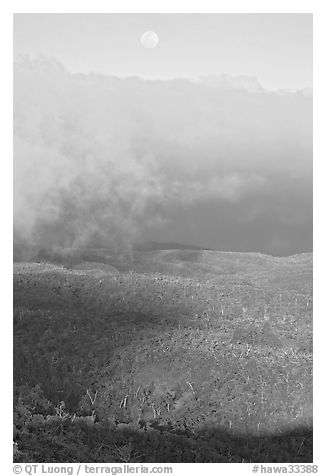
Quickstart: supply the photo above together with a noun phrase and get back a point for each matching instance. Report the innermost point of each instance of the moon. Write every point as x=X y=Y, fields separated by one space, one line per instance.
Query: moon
x=149 y=39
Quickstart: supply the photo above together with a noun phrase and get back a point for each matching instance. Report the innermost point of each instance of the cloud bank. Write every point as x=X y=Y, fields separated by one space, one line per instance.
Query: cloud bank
x=108 y=162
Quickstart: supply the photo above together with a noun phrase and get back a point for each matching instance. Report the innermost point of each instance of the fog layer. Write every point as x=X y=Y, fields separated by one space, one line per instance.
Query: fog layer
x=108 y=162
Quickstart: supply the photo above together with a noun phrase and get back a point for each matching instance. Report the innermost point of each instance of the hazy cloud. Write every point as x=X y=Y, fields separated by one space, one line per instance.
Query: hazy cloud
x=103 y=161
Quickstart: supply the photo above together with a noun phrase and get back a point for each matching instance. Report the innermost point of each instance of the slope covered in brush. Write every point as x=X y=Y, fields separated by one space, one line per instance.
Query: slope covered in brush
x=174 y=355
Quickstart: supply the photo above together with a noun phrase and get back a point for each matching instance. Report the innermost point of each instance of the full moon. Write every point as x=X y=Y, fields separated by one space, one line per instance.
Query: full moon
x=149 y=39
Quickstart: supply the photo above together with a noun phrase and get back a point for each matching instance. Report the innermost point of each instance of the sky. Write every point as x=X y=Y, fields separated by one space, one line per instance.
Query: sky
x=276 y=48
x=116 y=145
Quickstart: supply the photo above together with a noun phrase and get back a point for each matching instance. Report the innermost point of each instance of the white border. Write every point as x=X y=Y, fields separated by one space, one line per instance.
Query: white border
x=168 y=6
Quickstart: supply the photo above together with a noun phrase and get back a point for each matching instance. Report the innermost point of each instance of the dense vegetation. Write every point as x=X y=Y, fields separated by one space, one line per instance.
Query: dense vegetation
x=174 y=356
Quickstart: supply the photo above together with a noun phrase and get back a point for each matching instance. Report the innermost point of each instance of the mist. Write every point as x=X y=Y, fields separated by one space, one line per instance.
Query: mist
x=102 y=161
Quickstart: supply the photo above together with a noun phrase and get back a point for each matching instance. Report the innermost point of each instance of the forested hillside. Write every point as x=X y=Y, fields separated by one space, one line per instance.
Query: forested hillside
x=163 y=356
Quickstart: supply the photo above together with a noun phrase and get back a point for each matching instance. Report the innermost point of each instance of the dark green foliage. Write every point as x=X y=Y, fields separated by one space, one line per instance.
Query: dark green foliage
x=116 y=366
